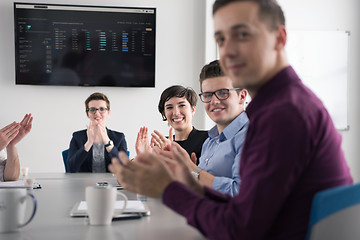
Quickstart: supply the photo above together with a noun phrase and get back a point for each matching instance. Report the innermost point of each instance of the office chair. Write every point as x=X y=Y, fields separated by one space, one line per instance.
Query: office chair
x=335 y=214
x=65 y=155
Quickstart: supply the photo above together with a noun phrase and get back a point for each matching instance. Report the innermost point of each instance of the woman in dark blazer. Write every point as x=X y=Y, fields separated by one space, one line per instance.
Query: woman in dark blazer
x=91 y=149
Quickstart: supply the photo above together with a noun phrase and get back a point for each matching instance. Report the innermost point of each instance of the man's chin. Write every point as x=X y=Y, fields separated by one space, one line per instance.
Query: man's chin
x=237 y=81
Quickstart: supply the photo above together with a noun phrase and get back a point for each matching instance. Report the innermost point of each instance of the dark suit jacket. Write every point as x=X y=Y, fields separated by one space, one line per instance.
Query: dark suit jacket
x=81 y=161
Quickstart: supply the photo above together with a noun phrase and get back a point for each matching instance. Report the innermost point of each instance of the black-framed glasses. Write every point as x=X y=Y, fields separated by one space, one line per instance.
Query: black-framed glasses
x=93 y=110
x=220 y=94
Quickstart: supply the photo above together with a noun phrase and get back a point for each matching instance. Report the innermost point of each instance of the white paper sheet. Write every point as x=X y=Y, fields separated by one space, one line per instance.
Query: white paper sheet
x=17 y=184
x=132 y=205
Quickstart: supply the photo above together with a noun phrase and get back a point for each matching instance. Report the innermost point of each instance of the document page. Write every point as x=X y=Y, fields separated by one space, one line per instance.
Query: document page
x=18 y=184
x=131 y=206
x=10 y=184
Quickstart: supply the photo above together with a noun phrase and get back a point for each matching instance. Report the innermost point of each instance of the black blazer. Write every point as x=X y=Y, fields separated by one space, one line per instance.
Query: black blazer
x=81 y=161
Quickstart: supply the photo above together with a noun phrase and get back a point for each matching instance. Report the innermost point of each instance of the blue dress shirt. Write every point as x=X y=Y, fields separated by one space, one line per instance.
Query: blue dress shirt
x=220 y=155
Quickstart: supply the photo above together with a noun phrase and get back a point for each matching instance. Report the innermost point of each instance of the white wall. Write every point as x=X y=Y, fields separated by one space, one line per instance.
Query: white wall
x=59 y=111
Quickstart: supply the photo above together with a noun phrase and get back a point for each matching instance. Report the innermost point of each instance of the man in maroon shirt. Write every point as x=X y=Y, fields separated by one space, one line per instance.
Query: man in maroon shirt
x=291 y=151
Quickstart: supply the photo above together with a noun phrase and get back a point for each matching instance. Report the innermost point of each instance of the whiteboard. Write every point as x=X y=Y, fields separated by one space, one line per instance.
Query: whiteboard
x=320 y=58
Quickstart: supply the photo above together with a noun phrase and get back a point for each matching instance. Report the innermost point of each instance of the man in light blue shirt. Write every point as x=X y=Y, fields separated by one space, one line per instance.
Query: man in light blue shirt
x=221 y=152
x=221 y=155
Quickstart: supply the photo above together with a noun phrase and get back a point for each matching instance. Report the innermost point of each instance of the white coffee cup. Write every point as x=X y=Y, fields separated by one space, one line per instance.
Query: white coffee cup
x=100 y=202
x=29 y=182
x=12 y=208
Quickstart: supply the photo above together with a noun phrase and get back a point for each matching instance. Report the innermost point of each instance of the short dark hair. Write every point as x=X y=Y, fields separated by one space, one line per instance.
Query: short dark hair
x=211 y=70
x=96 y=96
x=269 y=11
x=176 y=91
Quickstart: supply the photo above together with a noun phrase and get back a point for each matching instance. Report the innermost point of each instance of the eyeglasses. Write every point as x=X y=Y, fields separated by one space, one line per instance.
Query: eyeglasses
x=220 y=94
x=93 y=110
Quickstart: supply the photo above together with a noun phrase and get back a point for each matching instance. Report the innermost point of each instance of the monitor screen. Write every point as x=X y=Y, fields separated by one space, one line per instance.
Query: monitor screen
x=76 y=45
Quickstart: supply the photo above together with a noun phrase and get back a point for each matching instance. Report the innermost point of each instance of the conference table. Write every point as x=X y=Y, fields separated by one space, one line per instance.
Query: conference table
x=60 y=191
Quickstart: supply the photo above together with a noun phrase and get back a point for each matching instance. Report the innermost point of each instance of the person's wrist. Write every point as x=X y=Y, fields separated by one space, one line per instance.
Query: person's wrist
x=192 y=165
x=106 y=140
x=11 y=146
x=196 y=172
x=88 y=145
x=109 y=143
x=139 y=150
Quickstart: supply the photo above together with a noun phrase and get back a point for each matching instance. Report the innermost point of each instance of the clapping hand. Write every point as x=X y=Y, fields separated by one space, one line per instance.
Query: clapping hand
x=100 y=131
x=90 y=132
x=140 y=174
x=160 y=140
x=142 y=141
x=179 y=163
x=8 y=133
x=194 y=158
x=24 y=128
x=96 y=131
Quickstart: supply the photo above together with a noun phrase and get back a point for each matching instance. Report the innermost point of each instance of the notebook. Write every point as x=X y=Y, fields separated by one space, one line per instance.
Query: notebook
x=133 y=206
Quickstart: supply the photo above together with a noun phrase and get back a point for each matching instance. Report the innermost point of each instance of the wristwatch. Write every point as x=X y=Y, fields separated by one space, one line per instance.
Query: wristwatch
x=196 y=172
x=111 y=143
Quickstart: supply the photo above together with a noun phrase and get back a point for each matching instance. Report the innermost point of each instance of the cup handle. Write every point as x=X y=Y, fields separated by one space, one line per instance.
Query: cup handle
x=125 y=200
x=29 y=195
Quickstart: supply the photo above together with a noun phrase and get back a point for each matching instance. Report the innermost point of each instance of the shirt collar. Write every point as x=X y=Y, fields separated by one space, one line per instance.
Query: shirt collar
x=283 y=78
x=231 y=130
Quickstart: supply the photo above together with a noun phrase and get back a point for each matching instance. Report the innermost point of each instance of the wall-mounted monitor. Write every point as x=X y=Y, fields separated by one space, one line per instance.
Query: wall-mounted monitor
x=77 y=45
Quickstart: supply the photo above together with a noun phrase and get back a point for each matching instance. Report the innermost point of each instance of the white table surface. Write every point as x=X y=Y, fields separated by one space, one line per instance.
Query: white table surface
x=61 y=191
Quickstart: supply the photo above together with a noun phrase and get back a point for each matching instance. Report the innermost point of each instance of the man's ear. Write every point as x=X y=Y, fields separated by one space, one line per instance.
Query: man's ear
x=242 y=96
x=281 y=38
